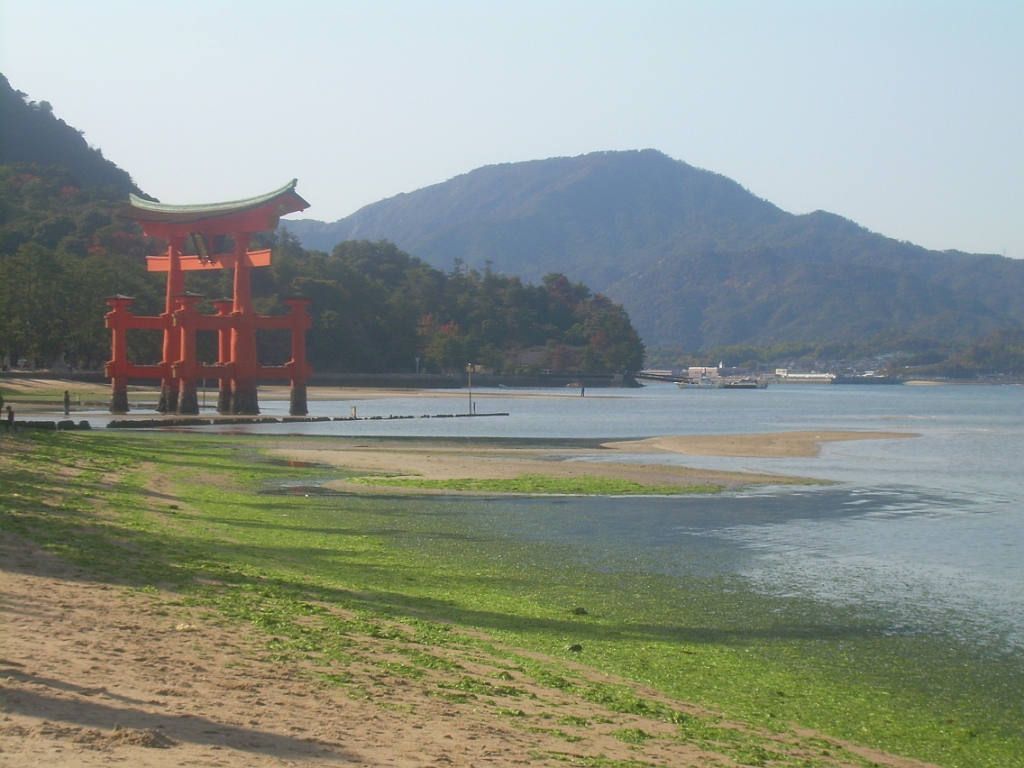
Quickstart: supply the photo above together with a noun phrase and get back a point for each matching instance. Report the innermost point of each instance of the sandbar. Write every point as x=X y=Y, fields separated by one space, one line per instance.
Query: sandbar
x=768 y=445
x=440 y=460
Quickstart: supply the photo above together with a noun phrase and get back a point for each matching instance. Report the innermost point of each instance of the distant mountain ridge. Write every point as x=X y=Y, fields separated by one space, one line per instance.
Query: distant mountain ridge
x=697 y=260
x=605 y=214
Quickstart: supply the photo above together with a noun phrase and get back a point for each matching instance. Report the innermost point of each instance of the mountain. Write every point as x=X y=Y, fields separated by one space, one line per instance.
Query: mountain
x=696 y=259
x=605 y=214
x=31 y=133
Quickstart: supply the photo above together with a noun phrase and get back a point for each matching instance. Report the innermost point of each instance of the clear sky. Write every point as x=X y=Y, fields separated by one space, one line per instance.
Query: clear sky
x=907 y=117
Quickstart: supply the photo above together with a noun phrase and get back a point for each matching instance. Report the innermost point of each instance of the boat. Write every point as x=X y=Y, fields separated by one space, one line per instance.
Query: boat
x=746 y=382
x=866 y=378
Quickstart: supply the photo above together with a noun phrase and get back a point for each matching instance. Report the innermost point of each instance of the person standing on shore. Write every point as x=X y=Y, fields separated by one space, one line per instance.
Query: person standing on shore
x=67 y=403
x=9 y=424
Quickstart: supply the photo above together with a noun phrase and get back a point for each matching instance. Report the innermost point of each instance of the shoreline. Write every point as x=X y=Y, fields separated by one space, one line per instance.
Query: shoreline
x=36 y=392
x=433 y=459
x=190 y=619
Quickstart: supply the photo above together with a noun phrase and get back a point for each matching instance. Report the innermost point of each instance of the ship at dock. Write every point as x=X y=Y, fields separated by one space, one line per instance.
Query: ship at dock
x=865 y=378
x=743 y=382
x=784 y=375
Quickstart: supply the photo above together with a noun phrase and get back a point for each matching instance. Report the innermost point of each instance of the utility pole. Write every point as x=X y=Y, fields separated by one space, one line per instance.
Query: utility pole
x=469 y=369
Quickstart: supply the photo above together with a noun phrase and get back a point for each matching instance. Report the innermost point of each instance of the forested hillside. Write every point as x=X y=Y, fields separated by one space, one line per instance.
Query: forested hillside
x=61 y=252
x=31 y=133
x=718 y=298
x=697 y=260
x=375 y=308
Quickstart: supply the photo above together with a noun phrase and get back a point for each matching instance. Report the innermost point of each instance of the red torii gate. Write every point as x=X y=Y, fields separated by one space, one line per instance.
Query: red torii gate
x=236 y=321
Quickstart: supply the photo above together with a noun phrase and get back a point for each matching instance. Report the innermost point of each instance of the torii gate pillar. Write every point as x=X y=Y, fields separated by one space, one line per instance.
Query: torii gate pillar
x=169 y=386
x=224 y=308
x=243 y=335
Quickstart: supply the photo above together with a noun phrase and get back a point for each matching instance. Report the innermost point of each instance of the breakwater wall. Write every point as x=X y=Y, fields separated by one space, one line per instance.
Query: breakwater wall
x=199 y=421
x=62 y=425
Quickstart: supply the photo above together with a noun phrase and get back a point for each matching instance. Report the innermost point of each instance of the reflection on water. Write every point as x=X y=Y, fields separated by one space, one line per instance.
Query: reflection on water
x=914 y=557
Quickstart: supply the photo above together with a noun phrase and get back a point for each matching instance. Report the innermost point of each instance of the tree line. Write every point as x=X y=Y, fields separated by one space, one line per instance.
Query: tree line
x=374 y=307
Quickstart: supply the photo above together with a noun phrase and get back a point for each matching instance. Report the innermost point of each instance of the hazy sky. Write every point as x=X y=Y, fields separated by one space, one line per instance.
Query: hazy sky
x=907 y=117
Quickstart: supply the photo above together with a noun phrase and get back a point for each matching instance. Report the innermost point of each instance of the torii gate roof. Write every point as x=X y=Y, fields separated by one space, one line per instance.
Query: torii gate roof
x=254 y=214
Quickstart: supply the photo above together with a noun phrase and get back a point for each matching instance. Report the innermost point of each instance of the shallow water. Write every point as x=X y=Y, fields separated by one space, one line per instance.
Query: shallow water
x=927 y=532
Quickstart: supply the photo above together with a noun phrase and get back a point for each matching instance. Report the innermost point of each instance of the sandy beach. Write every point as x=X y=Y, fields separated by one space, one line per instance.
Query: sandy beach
x=97 y=673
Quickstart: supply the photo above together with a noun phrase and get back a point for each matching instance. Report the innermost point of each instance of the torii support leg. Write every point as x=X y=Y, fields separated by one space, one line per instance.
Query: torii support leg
x=117 y=322
x=119 y=395
x=224 y=396
x=301 y=322
x=297 y=406
x=244 y=399
x=185 y=370
x=172 y=338
x=188 y=403
x=224 y=307
x=168 y=396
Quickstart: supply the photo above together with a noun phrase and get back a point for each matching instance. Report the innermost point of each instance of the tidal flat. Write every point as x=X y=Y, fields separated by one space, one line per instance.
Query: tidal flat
x=187 y=515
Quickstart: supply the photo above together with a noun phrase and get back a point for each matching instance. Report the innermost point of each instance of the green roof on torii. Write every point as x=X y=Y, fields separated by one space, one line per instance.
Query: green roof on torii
x=271 y=205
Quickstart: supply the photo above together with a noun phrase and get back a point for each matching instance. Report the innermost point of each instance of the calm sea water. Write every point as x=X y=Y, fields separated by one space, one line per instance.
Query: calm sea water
x=928 y=532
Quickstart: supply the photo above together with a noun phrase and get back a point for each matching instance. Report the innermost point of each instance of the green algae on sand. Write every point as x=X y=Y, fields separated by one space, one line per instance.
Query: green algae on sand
x=183 y=512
